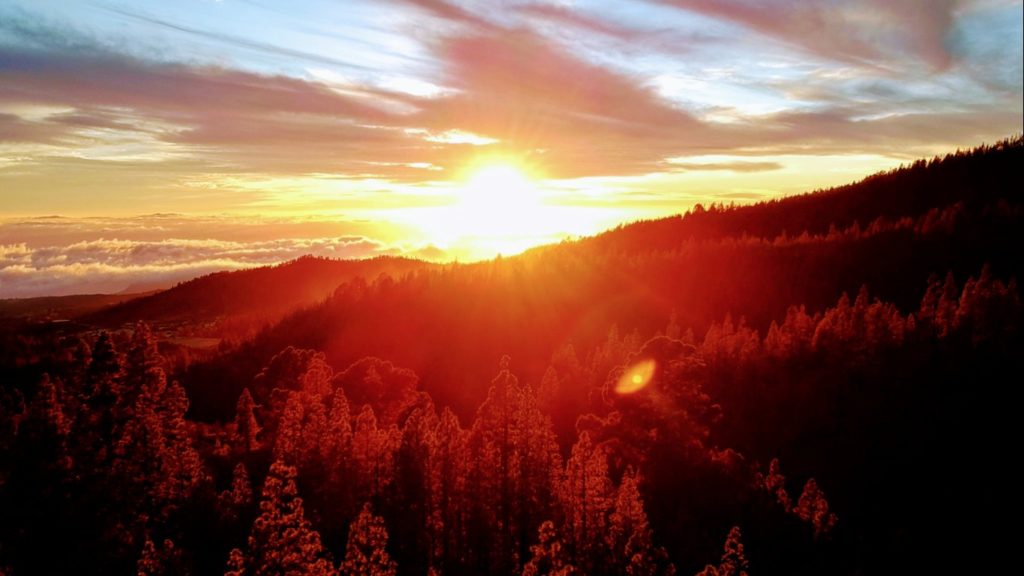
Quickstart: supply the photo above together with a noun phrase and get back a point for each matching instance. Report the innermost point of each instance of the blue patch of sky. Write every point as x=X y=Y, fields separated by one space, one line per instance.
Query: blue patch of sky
x=989 y=44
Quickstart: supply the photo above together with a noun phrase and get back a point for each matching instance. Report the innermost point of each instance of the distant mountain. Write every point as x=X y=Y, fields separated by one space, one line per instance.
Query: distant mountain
x=61 y=307
x=263 y=293
x=140 y=287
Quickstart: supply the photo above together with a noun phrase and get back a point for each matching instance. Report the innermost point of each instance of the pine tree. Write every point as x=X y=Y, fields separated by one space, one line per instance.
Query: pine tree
x=550 y=392
x=163 y=561
x=448 y=478
x=629 y=535
x=813 y=508
x=247 y=429
x=76 y=377
x=549 y=556
x=155 y=468
x=775 y=483
x=234 y=501
x=373 y=452
x=300 y=432
x=106 y=368
x=337 y=491
x=586 y=499
x=733 y=562
x=413 y=486
x=946 y=307
x=538 y=468
x=316 y=380
x=365 y=554
x=181 y=467
x=141 y=358
x=288 y=444
x=517 y=461
x=103 y=388
x=282 y=540
x=336 y=444
x=236 y=563
x=46 y=414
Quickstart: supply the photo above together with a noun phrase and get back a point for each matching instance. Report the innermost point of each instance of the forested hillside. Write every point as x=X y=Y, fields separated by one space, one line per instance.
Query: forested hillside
x=260 y=295
x=816 y=385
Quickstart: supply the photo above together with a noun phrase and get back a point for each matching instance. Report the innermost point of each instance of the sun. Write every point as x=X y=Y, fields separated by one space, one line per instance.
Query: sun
x=499 y=187
x=498 y=203
x=501 y=205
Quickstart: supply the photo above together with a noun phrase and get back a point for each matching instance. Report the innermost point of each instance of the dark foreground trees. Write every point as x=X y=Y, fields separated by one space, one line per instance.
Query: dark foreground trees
x=100 y=460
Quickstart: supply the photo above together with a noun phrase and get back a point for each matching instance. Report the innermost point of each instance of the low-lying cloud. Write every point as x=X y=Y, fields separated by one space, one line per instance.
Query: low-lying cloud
x=126 y=254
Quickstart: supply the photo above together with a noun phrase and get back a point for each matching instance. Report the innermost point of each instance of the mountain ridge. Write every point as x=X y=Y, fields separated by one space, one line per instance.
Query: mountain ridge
x=905 y=226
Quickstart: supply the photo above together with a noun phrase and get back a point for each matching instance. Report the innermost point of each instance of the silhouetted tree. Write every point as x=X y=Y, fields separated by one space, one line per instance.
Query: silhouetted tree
x=629 y=535
x=549 y=556
x=365 y=554
x=813 y=508
x=282 y=540
x=247 y=429
x=586 y=498
x=734 y=562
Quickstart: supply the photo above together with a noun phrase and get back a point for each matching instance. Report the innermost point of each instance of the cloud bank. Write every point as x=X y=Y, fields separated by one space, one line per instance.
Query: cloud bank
x=60 y=256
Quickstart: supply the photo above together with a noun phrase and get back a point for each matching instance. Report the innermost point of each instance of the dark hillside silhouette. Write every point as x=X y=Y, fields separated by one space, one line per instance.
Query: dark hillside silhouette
x=54 y=308
x=703 y=266
x=976 y=179
x=817 y=385
x=264 y=293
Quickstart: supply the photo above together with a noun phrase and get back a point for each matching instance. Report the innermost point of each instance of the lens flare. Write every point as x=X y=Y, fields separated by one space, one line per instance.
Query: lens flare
x=636 y=378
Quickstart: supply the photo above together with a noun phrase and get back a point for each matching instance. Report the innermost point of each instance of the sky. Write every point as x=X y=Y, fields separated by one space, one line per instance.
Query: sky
x=146 y=142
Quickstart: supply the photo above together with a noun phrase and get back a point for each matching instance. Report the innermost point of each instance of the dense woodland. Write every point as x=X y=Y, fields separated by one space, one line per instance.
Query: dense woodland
x=815 y=385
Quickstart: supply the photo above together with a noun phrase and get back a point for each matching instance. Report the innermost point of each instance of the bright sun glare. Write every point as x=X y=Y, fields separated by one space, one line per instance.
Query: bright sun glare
x=498 y=204
x=499 y=195
x=502 y=206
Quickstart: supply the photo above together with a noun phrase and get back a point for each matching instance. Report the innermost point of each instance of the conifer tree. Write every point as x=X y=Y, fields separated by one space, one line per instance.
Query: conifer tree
x=775 y=483
x=813 y=508
x=162 y=561
x=236 y=563
x=412 y=487
x=733 y=562
x=234 y=501
x=103 y=387
x=448 y=491
x=586 y=499
x=517 y=461
x=282 y=540
x=336 y=493
x=365 y=554
x=373 y=451
x=629 y=535
x=247 y=428
x=549 y=556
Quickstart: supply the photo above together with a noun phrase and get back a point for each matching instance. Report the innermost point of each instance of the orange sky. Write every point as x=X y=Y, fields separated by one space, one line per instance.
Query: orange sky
x=453 y=128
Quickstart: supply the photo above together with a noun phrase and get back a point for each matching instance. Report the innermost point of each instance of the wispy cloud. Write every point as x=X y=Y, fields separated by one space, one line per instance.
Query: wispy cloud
x=367 y=109
x=879 y=32
x=516 y=90
x=739 y=166
x=238 y=41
